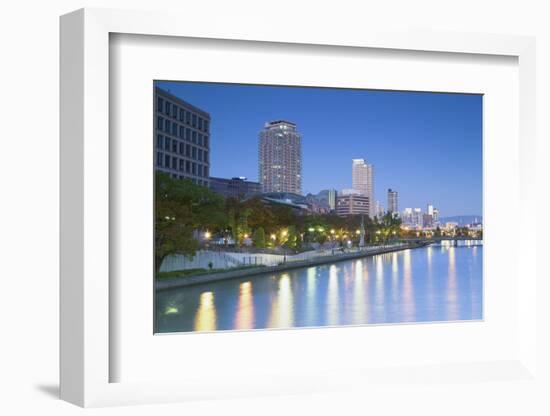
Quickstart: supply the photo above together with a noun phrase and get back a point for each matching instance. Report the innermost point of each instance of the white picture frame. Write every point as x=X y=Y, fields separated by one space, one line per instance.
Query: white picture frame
x=86 y=290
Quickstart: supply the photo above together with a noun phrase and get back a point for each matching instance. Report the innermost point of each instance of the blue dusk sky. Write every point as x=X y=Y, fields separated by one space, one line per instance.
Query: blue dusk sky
x=426 y=146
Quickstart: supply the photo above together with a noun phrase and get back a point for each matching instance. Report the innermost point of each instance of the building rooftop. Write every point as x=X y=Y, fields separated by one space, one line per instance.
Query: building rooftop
x=278 y=123
x=169 y=95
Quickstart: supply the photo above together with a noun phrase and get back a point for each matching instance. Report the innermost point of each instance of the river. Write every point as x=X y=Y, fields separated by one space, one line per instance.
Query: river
x=434 y=283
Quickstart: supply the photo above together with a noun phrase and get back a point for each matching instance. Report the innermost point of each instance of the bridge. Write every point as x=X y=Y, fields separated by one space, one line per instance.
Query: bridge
x=476 y=241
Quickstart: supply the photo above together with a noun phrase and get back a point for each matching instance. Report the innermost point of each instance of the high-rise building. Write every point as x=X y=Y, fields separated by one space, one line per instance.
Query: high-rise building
x=280 y=157
x=427 y=221
x=379 y=209
x=392 y=202
x=430 y=210
x=363 y=181
x=182 y=134
x=235 y=187
x=417 y=218
x=407 y=216
x=435 y=215
x=352 y=204
x=332 y=195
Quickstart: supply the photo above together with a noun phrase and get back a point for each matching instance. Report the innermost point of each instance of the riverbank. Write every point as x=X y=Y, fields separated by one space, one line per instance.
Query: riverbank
x=234 y=274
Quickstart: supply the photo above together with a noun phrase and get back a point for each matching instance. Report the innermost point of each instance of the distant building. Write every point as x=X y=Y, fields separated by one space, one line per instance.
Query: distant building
x=319 y=203
x=237 y=187
x=451 y=225
x=326 y=198
x=332 y=195
x=349 y=191
x=392 y=202
x=280 y=157
x=182 y=134
x=427 y=221
x=417 y=219
x=407 y=216
x=436 y=216
x=352 y=204
x=379 y=209
x=363 y=181
x=430 y=210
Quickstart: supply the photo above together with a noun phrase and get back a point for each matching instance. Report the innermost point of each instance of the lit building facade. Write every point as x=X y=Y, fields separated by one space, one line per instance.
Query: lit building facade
x=363 y=181
x=280 y=157
x=182 y=137
x=352 y=204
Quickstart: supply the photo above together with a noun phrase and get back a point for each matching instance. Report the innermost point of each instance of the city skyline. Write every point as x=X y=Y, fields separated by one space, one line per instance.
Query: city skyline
x=400 y=132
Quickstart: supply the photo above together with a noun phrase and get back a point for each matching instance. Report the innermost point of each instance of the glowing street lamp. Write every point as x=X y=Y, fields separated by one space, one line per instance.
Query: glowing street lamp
x=207 y=235
x=273 y=237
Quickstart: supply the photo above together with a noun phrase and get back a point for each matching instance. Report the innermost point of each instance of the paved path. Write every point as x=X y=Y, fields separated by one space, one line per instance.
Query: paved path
x=256 y=271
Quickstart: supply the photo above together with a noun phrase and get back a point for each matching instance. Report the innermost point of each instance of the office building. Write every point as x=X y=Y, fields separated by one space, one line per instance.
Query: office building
x=363 y=181
x=417 y=218
x=407 y=216
x=435 y=215
x=280 y=157
x=352 y=203
x=379 y=209
x=332 y=195
x=182 y=136
x=392 y=202
x=427 y=221
x=430 y=210
x=238 y=187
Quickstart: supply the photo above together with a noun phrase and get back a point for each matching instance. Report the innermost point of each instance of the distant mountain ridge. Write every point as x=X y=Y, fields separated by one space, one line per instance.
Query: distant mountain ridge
x=462 y=219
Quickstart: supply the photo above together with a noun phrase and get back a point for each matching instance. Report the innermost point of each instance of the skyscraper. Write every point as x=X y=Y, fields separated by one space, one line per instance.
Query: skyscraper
x=332 y=195
x=430 y=209
x=280 y=157
x=392 y=202
x=363 y=181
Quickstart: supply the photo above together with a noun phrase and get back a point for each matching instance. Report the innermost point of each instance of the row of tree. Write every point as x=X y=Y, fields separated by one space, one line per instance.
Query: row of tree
x=182 y=209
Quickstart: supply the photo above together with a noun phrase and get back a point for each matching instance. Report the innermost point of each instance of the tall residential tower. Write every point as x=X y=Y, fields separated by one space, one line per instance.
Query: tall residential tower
x=280 y=157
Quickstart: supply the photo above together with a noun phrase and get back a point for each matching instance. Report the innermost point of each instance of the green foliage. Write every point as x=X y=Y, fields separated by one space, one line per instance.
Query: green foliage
x=259 y=237
x=182 y=207
x=292 y=238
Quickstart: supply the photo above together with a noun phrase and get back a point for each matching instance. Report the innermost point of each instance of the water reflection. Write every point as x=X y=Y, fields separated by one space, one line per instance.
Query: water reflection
x=332 y=297
x=206 y=313
x=359 y=295
x=245 y=312
x=428 y=284
x=452 y=310
x=282 y=314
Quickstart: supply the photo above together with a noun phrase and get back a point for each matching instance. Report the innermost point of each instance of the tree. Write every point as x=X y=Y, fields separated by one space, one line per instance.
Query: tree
x=292 y=238
x=388 y=227
x=182 y=207
x=259 y=238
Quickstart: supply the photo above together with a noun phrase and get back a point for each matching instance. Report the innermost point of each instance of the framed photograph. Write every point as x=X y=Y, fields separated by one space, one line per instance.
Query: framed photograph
x=273 y=213
x=308 y=242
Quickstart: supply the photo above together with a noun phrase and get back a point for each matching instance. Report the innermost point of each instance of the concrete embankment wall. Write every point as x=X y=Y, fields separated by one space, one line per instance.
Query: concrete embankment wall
x=214 y=277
